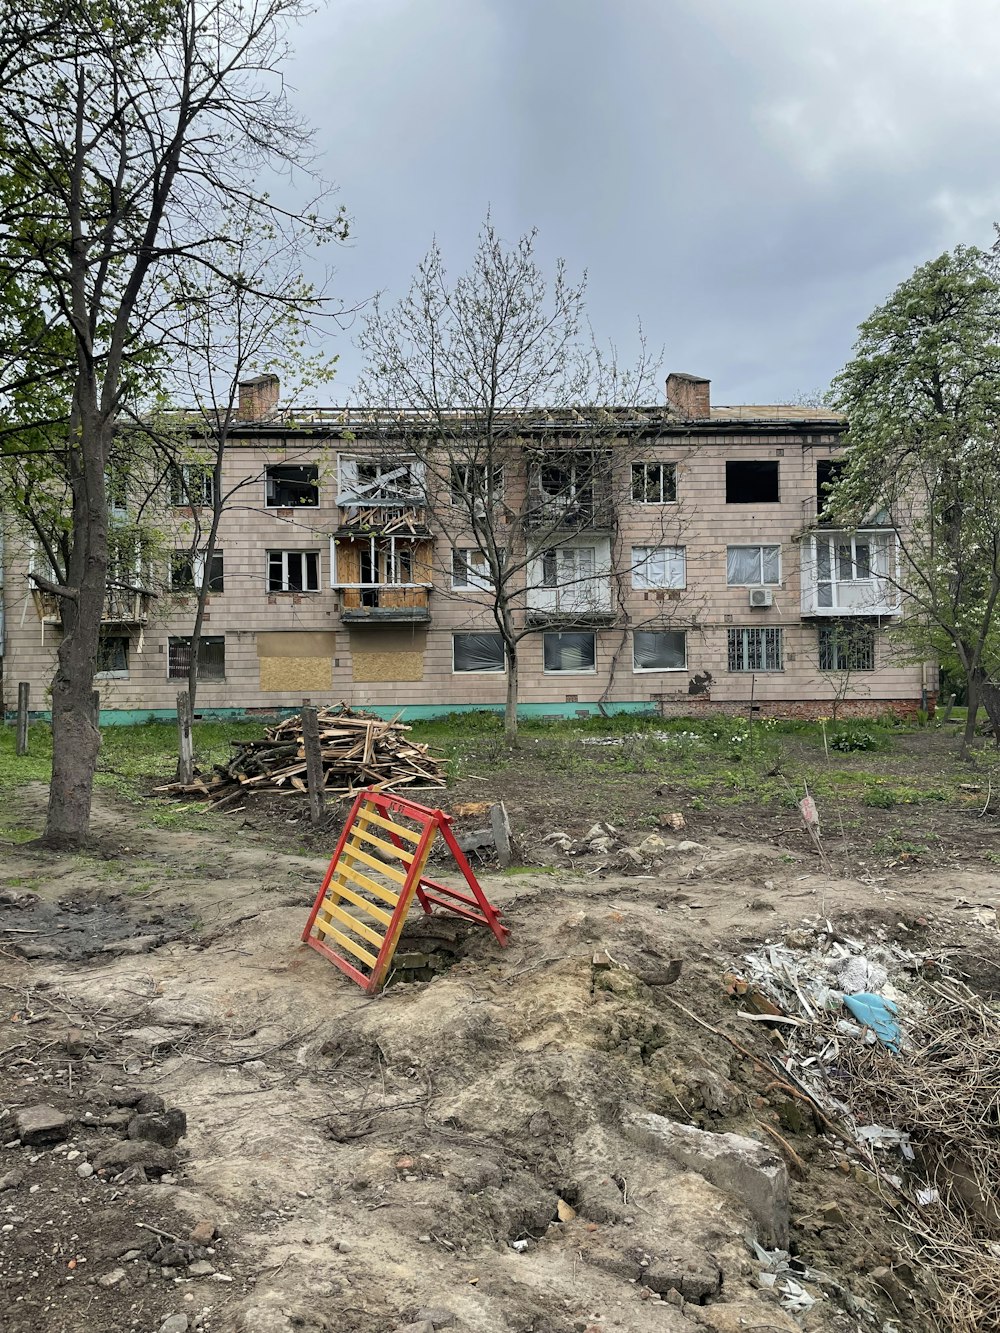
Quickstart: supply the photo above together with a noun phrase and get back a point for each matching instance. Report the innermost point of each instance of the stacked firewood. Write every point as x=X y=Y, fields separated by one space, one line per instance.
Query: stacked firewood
x=357 y=750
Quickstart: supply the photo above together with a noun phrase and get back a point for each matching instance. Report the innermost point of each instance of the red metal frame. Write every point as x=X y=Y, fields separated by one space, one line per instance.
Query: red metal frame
x=429 y=892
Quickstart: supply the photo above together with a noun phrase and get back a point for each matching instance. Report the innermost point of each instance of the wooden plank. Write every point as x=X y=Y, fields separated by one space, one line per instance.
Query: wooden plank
x=390 y=871
x=359 y=927
x=403 y=832
x=404 y=856
x=377 y=912
x=345 y=943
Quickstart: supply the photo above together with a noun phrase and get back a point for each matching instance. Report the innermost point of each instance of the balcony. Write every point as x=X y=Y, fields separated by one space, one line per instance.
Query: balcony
x=382 y=519
x=587 y=604
x=566 y=513
x=385 y=603
x=850 y=573
x=122 y=606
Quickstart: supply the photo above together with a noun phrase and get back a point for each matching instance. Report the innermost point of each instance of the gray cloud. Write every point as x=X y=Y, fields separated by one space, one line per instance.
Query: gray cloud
x=749 y=179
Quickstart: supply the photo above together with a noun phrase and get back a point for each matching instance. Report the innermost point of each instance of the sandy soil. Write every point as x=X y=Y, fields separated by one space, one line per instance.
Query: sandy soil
x=362 y=1160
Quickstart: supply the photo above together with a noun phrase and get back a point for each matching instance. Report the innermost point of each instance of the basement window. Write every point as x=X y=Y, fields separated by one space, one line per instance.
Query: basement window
x=751 y=481
x=293 y=571
x=477 y=652
x=289 y=487
x=211 y=658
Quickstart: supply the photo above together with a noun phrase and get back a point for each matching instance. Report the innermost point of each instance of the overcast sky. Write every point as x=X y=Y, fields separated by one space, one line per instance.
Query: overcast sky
x=747 y=177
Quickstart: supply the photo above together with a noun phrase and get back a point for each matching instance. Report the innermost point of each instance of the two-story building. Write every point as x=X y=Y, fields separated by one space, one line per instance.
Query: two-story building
x=677 y=564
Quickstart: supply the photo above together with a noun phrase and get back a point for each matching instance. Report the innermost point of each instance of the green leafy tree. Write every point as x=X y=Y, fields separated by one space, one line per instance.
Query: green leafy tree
x=922 y=397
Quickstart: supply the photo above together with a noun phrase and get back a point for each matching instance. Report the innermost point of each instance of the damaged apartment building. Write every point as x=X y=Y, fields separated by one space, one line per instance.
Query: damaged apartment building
x=667 y=558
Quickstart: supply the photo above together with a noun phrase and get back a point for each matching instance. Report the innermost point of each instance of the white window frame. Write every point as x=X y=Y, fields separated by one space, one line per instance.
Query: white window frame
x=204 y=473
x=351 y=494
x=760 y=548
x=645 y=671
x=476 y=579
x=569 y=671
x=485 y=671
x=478 y=501
x=670 y=561
x=285 y=553
x=197 y=559
x=661 y=466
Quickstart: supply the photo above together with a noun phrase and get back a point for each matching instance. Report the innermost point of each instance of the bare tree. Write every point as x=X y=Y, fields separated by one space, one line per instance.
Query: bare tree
x=501 y=414
x=126 y=127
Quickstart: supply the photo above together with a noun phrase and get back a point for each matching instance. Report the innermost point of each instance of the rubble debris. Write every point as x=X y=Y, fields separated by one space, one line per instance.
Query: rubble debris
x=358 y=750
x=41 y=1124
x=877 y=1013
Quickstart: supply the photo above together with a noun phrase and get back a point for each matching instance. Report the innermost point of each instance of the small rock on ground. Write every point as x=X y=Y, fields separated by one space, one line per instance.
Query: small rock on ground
x=11 y=1180
x=438 y=1317
x=41 y=1124
x=175 y=1323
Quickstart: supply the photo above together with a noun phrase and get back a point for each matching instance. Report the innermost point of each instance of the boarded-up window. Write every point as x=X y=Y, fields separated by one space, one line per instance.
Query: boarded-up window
x=299 y=661
x=388 y=654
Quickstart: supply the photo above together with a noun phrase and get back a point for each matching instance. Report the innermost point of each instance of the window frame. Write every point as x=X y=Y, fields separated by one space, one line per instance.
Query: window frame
x=477 y=500
x=658 y=633
x=179 y=483
x=678 y=553
x=760 y=548
x=291 y=467
x=204 y=642
x=661 y=465
x=569 y=671
x=460 y=556
x=114 y=673
x=827 y=647
x=478 y=671
x=196 y=562
x=769 y=636
x=284 y=552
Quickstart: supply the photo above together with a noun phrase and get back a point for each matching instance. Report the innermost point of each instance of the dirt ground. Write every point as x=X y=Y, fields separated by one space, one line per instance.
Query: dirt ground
x=458 y=1149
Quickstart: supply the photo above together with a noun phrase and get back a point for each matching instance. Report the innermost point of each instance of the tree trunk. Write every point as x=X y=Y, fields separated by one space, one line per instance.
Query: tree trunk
x=972 y=699
x=76 y=736
x=510 y=709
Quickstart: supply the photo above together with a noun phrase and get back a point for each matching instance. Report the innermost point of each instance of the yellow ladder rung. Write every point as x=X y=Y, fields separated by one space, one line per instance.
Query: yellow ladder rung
x=345 y=943
x=342 y=891
x=384 y=846
x=359 y=927
x=372 y=817
x=356 y=877
x=352 y=849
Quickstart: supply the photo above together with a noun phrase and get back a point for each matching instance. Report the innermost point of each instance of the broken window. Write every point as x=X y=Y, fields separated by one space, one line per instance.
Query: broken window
x=470 y=569
x=569 y=652
x=659 y=650
x=751 y=482
x=187 y=570
x=755 y=649
x=293 y=571
x=476 y=484
x=112 y=656
x=749 y=566
x=658 y=567
x=654 y=483
x=288 y=487
x=828 y=473
x=847 y=646
x=192 y=484
x=378 y=481
x=477 y=651
x=211 y=658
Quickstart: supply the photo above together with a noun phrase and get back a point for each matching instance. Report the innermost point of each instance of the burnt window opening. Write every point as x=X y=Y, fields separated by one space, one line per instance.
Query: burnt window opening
x=211 y=658
x=290 y=487
x=112 y=655
x=187 y=570
x=752 y=481
x=828 y=472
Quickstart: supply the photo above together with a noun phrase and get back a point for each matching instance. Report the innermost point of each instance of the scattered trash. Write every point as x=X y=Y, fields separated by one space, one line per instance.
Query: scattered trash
x=877 y=1013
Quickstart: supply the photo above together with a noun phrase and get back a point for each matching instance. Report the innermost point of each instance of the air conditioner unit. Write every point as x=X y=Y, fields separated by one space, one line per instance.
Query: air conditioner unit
x=761 y=597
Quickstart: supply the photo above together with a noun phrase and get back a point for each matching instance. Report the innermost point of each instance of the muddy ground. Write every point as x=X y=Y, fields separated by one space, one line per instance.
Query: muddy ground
x=470 y=1148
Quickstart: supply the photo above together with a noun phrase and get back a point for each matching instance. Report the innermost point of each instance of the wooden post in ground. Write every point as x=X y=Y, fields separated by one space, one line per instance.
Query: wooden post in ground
x=23 y=690
x=314 y=764
x=185 y=737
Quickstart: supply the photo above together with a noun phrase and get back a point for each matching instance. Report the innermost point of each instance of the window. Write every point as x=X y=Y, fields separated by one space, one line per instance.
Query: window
x=569 y=652
x=755 y=650
x=847 y=647
x=567 y=566
x=658 y=567
x=654 y=483
x=659 y=650
x=287 y=487
x=470 y=484
x=211 y=658
x=293 y=571
x=470 y=569
x=116 y=485
x=751 y=482
x=112 y=656
x=828 y=473
x=477 y=652
x=192 y=484
x=380 y=481
x=187 y=570
x=748 y=566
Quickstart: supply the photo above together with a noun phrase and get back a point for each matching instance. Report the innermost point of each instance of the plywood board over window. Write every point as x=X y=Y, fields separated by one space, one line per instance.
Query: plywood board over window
x=388 y=654
x=296 y=661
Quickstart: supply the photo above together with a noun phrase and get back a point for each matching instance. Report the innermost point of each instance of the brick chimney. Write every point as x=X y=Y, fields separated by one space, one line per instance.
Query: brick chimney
x=258 y=397
x=688 y=395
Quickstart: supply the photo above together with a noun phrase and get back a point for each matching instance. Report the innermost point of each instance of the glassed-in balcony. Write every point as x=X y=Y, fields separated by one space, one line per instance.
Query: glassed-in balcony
x=850 y=573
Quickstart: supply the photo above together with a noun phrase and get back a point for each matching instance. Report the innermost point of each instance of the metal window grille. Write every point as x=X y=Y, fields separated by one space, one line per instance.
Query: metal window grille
x=211 y=658
x=846 y=648
x=755 y=649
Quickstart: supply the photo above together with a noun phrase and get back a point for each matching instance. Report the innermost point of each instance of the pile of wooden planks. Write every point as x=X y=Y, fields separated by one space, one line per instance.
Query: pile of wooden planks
x=357 y=750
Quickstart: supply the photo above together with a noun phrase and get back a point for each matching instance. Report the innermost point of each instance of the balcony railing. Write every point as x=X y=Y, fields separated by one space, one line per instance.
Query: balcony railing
x=382 y=603
x=122 y=606
x=585 y=603
x=569 y=513
x=382 y=519
x=850 y=573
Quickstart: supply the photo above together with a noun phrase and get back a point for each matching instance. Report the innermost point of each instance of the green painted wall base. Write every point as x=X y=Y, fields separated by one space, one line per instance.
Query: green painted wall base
x=124 y=717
